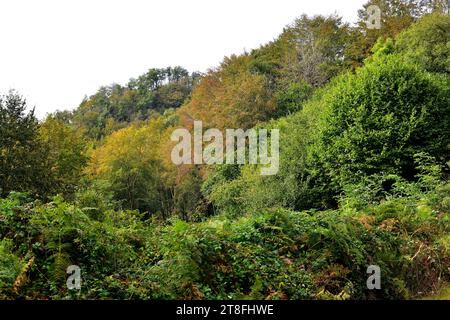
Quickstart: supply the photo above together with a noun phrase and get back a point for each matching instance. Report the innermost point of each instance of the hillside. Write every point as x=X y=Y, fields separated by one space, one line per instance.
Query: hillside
x=363 y=117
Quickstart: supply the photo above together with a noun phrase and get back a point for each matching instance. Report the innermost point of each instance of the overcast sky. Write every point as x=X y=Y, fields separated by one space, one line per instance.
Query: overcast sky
x=55 y=52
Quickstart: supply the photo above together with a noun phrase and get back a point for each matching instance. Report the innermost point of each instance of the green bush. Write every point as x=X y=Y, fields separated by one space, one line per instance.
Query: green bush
x=427 y=43
x=10 y=267
x=273 y=254
x=378 y=119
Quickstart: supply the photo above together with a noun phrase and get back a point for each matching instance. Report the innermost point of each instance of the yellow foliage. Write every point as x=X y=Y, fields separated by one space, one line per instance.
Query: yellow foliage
x=230 y=97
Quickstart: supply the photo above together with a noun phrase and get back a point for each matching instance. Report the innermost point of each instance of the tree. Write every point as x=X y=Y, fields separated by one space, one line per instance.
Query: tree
x=311 y=49
x=237 y=189
x=319 y=49
x=378 y=119
x=113 y=107
x=293 y=97
x=427 y=43
x=187 y=196
x=131 y=162
x=66 y=155
x=22 y=158
x=230 y=97
x=396 y=16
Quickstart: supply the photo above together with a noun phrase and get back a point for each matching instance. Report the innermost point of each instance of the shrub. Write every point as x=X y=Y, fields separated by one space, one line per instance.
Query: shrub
x=378 y=119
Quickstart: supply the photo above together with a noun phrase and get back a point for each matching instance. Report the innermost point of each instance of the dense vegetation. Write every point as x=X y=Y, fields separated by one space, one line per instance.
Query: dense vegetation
x=364 y=119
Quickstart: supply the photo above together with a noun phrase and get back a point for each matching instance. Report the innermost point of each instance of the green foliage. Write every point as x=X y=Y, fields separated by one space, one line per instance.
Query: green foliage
x=379 y=118
x=130 y=164
x=10 y=267
x=276 y=254
x=22 y=158
x=361 y=126
x=187 y=197
x=42 y=159
x=396 y=16
x=59 y=234
x=113 y=107
x=66 y=155
x=427 y=43
x=363 y=175
x=292 y=99
x=96 y=197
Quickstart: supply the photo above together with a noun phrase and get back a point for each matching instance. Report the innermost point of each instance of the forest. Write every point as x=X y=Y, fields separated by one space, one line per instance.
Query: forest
x=364 y=164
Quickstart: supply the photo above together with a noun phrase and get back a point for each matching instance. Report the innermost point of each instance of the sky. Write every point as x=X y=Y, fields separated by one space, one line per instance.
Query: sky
x=56 y=52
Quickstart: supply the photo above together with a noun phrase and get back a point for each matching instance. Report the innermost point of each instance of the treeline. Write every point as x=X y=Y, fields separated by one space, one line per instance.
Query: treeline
x=115 y=106
x=364 y=119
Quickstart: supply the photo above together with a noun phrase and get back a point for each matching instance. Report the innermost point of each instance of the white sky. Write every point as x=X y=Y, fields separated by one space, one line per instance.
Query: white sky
x=55 y=52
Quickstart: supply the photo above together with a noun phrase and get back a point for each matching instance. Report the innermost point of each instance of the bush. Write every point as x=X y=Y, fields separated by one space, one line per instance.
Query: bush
x=272 y=254
x=378 y=119
x=10 y=267
x=427 y=43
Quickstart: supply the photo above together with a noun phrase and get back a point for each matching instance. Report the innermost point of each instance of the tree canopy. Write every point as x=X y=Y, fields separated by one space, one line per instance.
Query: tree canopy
x=364 y=159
